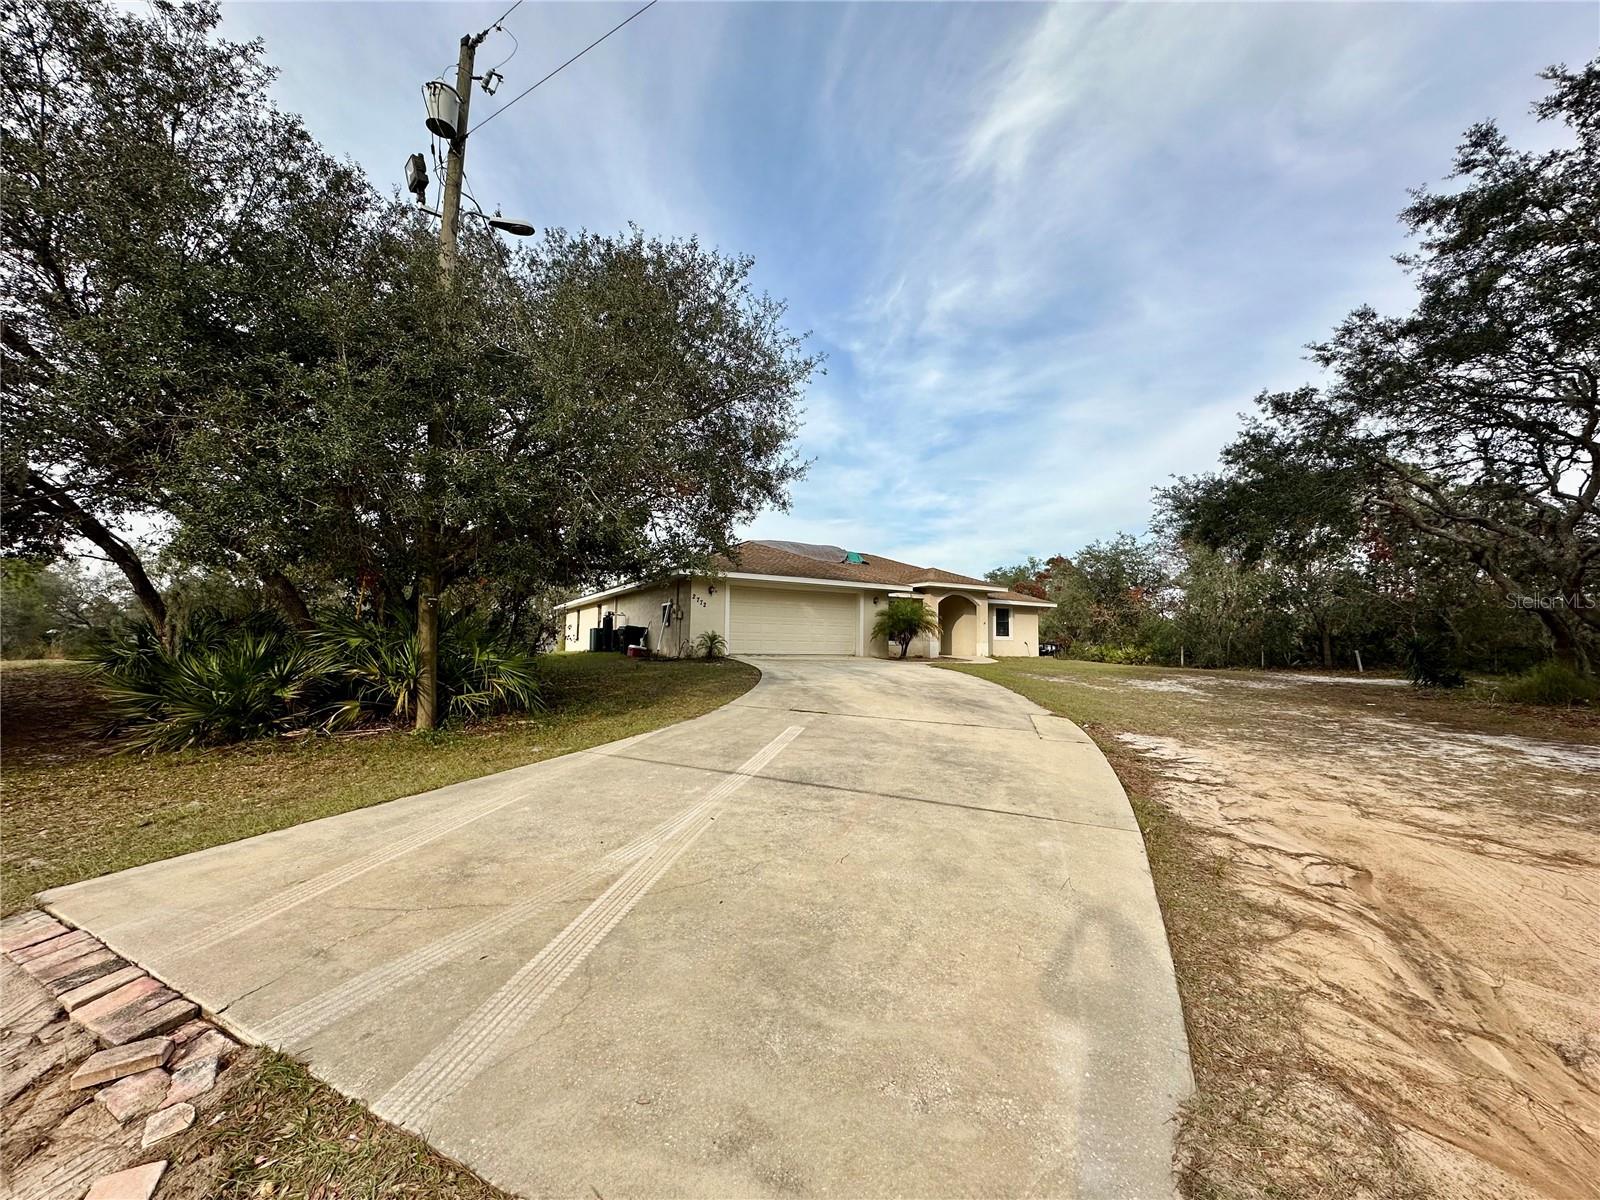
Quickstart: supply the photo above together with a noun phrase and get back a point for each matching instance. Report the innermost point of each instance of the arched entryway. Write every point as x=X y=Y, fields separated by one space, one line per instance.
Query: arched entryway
x=958 y=627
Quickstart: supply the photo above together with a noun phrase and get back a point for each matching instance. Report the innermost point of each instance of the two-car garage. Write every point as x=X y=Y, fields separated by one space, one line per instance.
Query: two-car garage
x=790 y=621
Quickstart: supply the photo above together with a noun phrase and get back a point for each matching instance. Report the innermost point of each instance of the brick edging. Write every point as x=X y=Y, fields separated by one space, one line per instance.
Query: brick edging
x=157 y=1052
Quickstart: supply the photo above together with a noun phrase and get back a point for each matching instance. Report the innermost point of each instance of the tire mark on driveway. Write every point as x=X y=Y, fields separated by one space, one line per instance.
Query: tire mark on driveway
x=292 y=897
x=476 y=1040
x=318 y=1012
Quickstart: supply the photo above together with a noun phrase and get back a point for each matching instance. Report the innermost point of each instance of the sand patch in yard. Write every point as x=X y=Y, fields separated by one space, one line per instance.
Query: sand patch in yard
x=1435 y=899
x=1167 y=685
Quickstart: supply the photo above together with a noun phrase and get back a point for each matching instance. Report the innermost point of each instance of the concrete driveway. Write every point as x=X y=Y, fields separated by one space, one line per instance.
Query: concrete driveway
x=872 y=929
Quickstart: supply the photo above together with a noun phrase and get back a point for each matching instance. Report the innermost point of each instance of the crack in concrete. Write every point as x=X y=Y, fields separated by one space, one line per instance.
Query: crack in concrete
x=839 y=787
x=556 y=1027
x=251 y=992
x=748 y=869
x=823 y=712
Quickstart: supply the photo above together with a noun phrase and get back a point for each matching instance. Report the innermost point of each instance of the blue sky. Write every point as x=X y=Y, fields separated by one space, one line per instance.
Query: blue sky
x=1051 y=252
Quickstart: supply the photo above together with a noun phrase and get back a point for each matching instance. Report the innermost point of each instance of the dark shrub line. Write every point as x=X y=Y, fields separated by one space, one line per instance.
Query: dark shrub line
x=229 y=680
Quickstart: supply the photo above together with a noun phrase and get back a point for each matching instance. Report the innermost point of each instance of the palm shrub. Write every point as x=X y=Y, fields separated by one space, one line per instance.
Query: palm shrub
x=484 y=679
x=213 y=685
x=1434 y=662
x=381 y=667
x=229 y=680
x=711 y=644
x=900 y=621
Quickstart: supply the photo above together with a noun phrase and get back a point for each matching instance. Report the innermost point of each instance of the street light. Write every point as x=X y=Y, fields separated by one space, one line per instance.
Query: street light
x=509 y=225
x=417 y=178
x=417 y=184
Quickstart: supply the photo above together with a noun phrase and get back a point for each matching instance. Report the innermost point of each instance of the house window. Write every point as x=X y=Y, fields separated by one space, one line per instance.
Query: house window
x=1002 y=622
x=666 y=614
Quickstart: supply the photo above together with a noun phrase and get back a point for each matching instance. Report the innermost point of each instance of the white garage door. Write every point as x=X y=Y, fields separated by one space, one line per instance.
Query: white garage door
x=776 y=621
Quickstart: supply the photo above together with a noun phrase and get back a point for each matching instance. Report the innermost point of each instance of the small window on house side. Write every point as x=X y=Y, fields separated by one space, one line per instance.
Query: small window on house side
x=666 y=614
x=1002 y=622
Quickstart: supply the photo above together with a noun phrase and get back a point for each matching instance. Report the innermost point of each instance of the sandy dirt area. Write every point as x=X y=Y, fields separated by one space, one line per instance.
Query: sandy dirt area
x=1430 y=890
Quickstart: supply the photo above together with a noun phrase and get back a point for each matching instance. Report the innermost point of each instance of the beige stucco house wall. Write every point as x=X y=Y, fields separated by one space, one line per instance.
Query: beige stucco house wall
x=976 y=624
x=1022 y=640
x=773 y=601
x=697 y=606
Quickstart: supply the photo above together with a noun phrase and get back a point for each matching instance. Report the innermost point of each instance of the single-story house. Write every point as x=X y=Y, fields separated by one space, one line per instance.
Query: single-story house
x=775 y=597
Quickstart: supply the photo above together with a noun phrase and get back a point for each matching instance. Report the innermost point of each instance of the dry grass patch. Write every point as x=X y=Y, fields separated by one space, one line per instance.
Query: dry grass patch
x=279 y=1132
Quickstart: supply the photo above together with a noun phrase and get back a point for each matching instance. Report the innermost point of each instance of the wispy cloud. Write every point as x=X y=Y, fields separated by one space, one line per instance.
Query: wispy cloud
x=1051 y=251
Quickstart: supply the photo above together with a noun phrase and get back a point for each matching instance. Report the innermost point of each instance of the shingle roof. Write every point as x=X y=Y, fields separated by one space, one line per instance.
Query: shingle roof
x=765 y=558
x=776 y=558
x=823 y=562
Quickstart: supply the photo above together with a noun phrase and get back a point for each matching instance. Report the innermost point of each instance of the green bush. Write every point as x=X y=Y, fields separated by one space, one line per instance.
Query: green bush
x=214 y=686
x=380 y=670
x=232 y=680
x=711 y=644
x=1551 y=683
x=486 y=679
x=900 y=622
x=1434 y=662
x=1127 y=656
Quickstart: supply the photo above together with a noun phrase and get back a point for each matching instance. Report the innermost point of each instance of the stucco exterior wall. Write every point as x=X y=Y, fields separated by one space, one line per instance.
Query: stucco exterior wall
x=697 y=610
x=980 y=623
x=876 y=647
x=959 y=617
x=643 y=607
x=1024 y=639
x=703 y=610
x=700 y=609
x=577 y=624
x=923 y=647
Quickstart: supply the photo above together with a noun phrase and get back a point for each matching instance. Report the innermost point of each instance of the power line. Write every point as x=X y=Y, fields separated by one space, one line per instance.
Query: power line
x=450 y=67
x=501 y=17
x=466 y=188
x=562 y=67
x=515 y=46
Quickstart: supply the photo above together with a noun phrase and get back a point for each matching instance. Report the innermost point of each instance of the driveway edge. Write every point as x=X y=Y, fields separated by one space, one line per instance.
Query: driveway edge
x=1140 y=1076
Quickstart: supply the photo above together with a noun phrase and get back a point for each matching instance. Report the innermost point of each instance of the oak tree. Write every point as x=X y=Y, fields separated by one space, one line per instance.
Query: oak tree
x=162 y=223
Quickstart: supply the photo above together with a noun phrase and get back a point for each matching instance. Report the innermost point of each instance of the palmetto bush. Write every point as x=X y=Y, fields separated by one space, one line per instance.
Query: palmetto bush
x=1551 y=683
x=1133 y=655
x=231 y=680
x=381 y=668
x=493 y=679
x=217 y=684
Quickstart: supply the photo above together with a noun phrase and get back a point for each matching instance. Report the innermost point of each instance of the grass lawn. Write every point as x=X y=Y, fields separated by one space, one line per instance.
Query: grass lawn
x=74 y=807
x=1084 y=692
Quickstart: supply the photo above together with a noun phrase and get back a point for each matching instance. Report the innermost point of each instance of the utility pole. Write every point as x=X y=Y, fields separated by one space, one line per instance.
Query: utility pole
x=455 y=164
x=428 y=582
